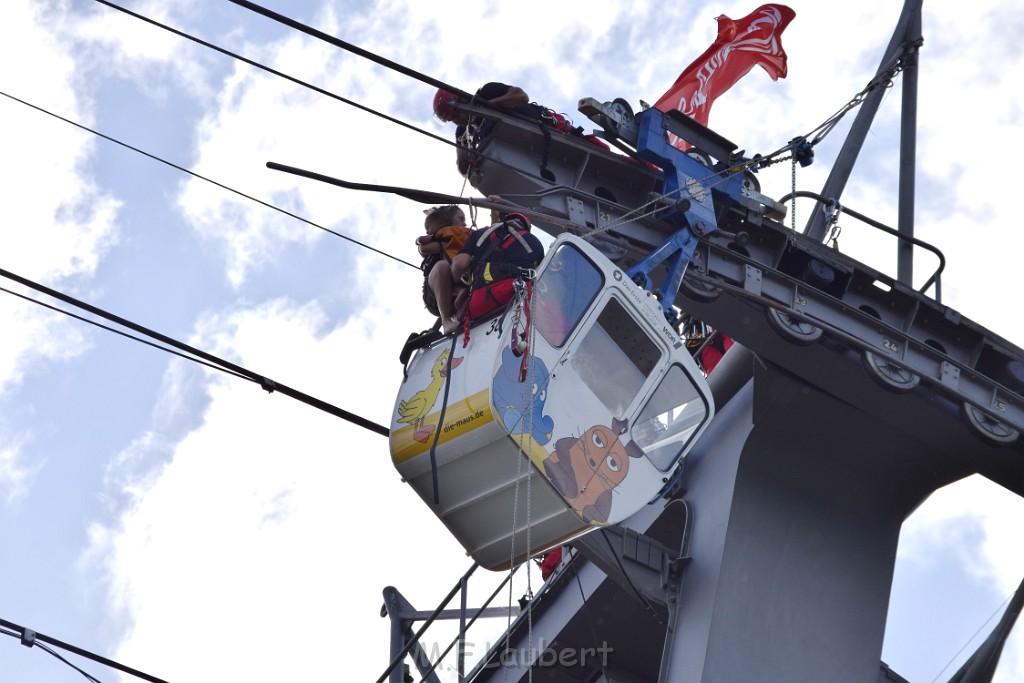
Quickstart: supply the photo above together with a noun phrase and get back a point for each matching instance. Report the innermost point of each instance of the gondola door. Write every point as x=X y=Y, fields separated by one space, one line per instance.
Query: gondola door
x=609 y=399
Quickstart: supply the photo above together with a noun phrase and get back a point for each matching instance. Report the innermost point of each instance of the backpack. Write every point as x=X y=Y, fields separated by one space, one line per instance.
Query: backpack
x=492 y=263
x=429 y=300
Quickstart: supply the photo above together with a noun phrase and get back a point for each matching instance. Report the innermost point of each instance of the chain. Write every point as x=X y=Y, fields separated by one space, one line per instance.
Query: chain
x=792 y=202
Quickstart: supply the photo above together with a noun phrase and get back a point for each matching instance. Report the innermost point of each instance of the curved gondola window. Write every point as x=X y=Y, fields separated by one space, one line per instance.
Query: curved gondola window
x=615 y=357
x=564 y=292
x=669 y=420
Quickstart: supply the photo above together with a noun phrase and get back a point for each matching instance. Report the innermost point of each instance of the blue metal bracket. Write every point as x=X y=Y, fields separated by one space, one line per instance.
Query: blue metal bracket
x=692 y=213
x=676 y=252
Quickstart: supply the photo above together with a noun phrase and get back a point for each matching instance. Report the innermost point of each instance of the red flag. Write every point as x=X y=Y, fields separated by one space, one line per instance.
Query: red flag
x=754 y=39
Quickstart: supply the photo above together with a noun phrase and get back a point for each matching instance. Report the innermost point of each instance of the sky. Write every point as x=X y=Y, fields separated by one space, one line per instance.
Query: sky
x=188 y=524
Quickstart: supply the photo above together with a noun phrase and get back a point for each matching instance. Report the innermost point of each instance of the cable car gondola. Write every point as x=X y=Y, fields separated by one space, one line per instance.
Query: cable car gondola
x=517 y=451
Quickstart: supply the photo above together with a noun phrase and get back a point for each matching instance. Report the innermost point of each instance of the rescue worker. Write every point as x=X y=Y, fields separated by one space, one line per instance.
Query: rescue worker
x=549 y=563
x=713 y=351
x=470 y=131
x=495 y=94
x=489 y=264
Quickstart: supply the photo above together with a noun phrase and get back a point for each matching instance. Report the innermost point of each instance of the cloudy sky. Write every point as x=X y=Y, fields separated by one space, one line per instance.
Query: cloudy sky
x=188 y=524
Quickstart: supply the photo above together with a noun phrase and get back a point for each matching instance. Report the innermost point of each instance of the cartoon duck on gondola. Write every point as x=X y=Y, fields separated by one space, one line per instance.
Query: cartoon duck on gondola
x=416 y=408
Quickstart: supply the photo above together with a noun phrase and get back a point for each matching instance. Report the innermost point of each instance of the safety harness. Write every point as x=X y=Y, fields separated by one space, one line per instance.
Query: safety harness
x=491 y=260
x=491 y=264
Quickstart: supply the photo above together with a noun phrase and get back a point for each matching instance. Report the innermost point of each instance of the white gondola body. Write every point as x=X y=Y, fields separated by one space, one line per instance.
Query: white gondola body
x=609 y=403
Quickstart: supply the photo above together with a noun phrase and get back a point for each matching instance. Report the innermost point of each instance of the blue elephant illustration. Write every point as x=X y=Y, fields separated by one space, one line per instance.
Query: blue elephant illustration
x=509 y=396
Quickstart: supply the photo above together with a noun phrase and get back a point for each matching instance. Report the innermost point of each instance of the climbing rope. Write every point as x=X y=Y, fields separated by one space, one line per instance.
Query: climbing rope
x=522 y=344
x=530 y=379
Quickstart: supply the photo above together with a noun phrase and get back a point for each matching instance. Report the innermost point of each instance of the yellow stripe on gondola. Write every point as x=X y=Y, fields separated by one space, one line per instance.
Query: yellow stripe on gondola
x=461 y=417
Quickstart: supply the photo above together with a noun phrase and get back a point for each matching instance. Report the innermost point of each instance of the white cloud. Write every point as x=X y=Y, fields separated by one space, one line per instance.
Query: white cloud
x=261 y=119
x=153 y=59
x=15 y=478
x=57 y=223
x=999 y=558
x=272 y=514
x=964 y=543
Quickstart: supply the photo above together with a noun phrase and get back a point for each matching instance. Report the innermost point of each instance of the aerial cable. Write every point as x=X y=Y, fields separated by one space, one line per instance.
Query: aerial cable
x=975 y=635
x=266 y=383
x=88 y=676
x=204 y=178
x=30 y=638
x=312 y=87
x=883 y=79
x=117 y=331
x=383 y=61
x=356 y=50
x=273 y=71
x=327 y=93
x=349 y=47
x=799 y=143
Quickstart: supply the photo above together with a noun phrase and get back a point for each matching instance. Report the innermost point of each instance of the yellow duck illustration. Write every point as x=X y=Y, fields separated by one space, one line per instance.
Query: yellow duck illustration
x=415 y=410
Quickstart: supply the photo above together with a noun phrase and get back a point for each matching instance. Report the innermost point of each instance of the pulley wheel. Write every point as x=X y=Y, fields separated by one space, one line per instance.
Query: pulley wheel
x=889 y=375
x=988 y=428
x=796 y=331
x=698 y=290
